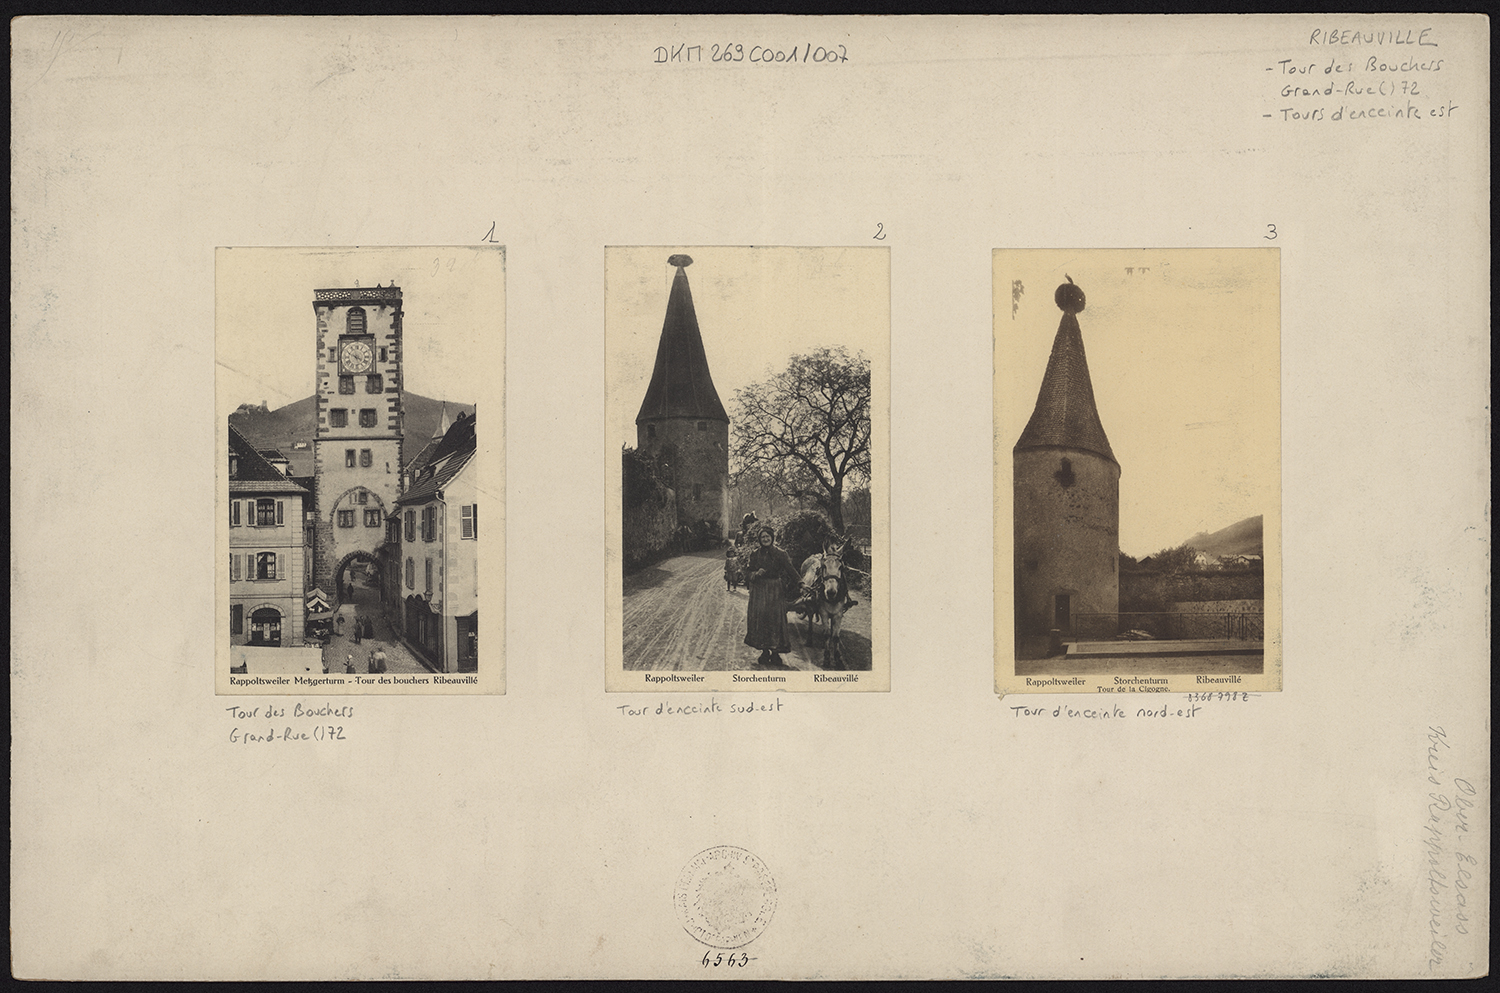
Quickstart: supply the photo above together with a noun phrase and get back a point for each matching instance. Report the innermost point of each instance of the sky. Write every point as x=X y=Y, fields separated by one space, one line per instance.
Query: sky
x=453 y=303
x=756 y=308
x=1184 y=352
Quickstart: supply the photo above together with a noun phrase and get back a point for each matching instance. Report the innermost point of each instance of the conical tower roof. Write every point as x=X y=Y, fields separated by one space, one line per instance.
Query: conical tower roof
x=1065 y=414
x=680 y=384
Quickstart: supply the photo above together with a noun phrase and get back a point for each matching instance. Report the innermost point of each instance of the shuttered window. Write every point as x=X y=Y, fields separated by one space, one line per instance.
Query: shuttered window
x=354 y=323
x=234 y=513
x=428 y=572
x=411 y=529
x=237 y=618
x=280 y=516
x=234 y=568
x=411 y=574
x=469 y=524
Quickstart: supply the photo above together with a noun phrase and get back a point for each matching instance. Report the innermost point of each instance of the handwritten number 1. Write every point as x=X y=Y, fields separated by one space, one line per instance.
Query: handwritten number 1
x=1270 y=232
x=879 y=231
x=490 y=235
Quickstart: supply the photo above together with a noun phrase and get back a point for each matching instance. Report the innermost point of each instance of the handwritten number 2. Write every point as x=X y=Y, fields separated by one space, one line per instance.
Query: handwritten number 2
x=879 y=231
x=1270 y=232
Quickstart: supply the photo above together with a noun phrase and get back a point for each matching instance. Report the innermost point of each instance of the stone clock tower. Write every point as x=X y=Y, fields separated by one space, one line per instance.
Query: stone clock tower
x=357 y=447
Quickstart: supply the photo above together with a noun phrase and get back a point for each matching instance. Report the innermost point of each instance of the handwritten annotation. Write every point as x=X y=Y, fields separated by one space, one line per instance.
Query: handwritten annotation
x=665 y=709
x=1400 y=82
x=1450 y=853
x=276 y=733
x=804 y=53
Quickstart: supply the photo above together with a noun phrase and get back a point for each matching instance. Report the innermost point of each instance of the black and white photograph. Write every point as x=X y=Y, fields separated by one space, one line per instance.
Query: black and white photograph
x=747 y=413
x=1137 y=441
x=355 y=474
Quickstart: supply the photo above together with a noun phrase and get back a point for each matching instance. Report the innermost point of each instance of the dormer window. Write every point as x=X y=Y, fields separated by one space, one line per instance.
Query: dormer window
x=234 y=466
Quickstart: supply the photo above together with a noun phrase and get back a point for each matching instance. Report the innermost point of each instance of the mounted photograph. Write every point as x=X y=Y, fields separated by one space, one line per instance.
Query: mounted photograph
x=1137 y=470
x=748 y=423
x=353 y=474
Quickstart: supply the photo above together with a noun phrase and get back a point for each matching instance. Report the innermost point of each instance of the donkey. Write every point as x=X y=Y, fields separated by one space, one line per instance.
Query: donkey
x=824 y=597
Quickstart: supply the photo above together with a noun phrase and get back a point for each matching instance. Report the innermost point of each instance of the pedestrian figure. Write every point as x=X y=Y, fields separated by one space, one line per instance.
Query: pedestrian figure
x=731 y=569
x=349 y=663
x=380 y=659
x=359 y=629
x=766 y=568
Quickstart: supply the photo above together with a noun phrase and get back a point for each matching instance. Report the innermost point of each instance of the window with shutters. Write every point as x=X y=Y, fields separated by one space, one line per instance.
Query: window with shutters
x=234 y=568
x=338 y=417
x=411 y=527
x=346 y=518
x=237 y=618
x=333 y=354
x=372 y=518
x=367 y=418
x=234 y=513
x=349 y=458
x=429 y=522
x=362 y=497
x=469 y=522
x=366 y=459
x=265 y=565
x=393 y=530
x=346 y=384
x=428 y=574
x=382 y=353
x=411 y=574
x=354 y=323
x=374 y=384
x=269 y=513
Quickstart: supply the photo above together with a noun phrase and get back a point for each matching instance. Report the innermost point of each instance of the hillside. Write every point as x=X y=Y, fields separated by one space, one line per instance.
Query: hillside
x=1240 y=538
x=286 y=426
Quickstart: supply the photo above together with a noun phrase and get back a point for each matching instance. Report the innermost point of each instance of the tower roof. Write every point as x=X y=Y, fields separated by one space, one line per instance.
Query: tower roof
x=680 y=384
x=1065 y=414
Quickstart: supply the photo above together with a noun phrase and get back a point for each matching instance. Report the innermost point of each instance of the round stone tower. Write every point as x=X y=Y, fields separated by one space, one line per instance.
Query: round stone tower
x=1067 y=497
x=681 y=423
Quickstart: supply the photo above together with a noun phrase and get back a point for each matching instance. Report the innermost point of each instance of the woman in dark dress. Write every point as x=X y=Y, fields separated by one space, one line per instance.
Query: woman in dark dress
x=766 y=568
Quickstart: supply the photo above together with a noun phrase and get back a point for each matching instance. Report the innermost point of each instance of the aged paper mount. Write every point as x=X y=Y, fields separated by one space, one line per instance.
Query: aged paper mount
x=545 y=834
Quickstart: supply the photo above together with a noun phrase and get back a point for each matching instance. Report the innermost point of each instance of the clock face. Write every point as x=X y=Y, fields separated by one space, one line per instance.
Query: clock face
x=356 y=356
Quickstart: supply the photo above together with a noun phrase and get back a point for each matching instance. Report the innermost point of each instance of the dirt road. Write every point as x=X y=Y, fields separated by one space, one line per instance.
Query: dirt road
x=678 y=615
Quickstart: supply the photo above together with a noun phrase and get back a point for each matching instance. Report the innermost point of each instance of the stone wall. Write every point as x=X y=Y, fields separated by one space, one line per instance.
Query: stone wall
x=1067 y=535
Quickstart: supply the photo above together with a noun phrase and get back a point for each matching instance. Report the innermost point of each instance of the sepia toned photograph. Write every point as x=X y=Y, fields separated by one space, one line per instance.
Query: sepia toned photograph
x=355 y=475
x=1137 y=470
x=747 y=410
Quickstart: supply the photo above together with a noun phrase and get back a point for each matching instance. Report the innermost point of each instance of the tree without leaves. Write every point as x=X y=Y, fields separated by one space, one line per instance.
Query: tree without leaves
x=806 y=430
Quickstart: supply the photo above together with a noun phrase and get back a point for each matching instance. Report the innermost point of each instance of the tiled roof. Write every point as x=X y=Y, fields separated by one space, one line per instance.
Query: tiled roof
x=1065 y=414
x=454 y=452
x=680 y=383
x=252 y=468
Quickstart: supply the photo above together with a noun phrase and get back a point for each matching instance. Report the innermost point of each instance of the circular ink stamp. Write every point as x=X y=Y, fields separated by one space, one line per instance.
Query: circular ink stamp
x=725 y=897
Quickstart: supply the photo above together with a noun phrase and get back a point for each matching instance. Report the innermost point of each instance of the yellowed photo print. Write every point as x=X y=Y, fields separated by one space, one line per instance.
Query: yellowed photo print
x=748 y=423
x=1137 y=470
x=361 y=506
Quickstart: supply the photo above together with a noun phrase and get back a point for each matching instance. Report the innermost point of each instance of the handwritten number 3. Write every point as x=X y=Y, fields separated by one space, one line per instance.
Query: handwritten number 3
x=1270 y=232
x=879 y=231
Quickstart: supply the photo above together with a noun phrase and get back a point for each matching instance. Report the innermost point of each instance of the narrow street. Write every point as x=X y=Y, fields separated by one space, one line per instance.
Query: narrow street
x=679 y=616
x=366 y=605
